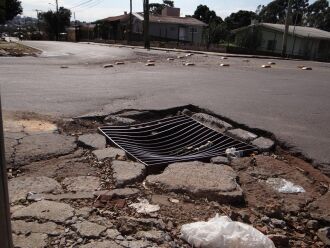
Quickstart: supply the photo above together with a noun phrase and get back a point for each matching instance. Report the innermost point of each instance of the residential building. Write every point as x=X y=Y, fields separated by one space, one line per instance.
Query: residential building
x=169 y=26
x=304 y=42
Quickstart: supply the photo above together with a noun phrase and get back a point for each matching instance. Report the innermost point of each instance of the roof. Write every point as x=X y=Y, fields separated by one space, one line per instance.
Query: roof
x=301 y=31
x=121 y=18
x=172 y=20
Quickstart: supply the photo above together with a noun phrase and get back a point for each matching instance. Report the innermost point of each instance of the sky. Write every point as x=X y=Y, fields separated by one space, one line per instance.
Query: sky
x=91 y=10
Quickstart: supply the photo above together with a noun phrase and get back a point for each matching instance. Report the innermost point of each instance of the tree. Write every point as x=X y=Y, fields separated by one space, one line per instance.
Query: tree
x=318 y=15
x=240 y=19
x=204 y=14
x=275 y=11
x=56 y=22
x=9 y=9
x=156 y=8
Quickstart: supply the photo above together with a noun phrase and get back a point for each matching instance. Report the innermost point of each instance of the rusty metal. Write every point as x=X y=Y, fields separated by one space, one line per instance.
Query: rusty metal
x=170 y=140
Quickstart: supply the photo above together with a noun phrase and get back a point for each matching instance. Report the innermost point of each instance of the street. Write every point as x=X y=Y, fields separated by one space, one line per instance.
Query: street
x=285 y=100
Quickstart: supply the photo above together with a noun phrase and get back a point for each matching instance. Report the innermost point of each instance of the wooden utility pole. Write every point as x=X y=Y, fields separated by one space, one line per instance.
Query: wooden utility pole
x=130 y=21
x=57 y=20
x=5 y=224
x=146 y=24
x=286 y=31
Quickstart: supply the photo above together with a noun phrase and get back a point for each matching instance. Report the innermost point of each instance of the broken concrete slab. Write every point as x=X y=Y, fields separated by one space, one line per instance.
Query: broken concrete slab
x=217 y=183
x=212 y=122
x=34 y=240
x=324 y=235
x=242 y=135
x=136 y=244
x=118 y=120
x=102 y=244
x=93 y=141
x=69 y=196
x=81 y=183
x=20 y=186
x=126 y=173
x=319 y=209
x=46 y=210
x=89 y=229
x=263 y=144
x=153 y=236
x=220 y=160
x=112 y=233
x=22 y=227
x=119 y=193
x=110 y=153
x=38 y=147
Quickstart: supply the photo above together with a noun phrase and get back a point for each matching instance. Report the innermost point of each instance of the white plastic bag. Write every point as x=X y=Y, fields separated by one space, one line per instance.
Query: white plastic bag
x=283 y=186
x=222 y=232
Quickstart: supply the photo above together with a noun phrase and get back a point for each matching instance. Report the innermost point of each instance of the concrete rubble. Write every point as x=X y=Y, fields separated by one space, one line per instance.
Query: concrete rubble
x=82 y=197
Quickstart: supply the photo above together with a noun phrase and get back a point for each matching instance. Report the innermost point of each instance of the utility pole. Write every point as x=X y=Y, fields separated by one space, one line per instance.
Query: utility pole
x=286 y=31
x=130 y=20
x=38 y=22
x=5 y=224
x=146 y=24
x=57 y=20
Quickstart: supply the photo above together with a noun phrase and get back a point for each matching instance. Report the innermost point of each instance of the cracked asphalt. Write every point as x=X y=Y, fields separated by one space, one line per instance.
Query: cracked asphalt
x=291 y=103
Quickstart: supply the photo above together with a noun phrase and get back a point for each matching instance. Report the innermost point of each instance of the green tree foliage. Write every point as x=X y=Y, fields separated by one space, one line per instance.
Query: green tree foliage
x=275 y=11
x=56 y=22
x=9 y=9
x=318 y=15
x=204 y=14
x=156 y=8
x=240 y=19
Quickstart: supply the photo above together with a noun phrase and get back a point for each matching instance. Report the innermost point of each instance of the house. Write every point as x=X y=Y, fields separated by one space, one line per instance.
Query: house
x=304 y=42
x=169 y=26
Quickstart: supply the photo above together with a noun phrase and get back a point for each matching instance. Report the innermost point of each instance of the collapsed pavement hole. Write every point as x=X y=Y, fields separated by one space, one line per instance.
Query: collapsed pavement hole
x=179 y=139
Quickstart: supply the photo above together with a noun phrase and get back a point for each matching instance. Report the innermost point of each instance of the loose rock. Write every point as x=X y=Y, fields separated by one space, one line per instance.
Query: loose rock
x=117 y=120
x=101 y=244
x=93 y=141
x=89 y=229
x=112 y=233
x=127 y=172
x=263 y=144
x=324 y=235
x=119 y=193
x=212 y=122
x=22 y=227
x=220 y=160
x=319 y=209
x=217 y=183
x=242 y=135
x=279 y=240
x=111 y=153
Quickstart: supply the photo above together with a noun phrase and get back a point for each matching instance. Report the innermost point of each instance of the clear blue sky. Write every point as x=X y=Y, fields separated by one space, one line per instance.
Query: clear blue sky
x=97 y=9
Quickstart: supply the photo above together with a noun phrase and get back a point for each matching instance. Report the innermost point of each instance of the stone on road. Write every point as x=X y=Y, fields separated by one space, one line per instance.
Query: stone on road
x=217 y=183
x=46 y=210
x=242 y=135
x=20 y=186
x=263 y=144
x=212 y=122
x=42 y=146
x=89 y=229
x=93 y=141
x=81 y=183
x=220 y=160
x=111 y=153
x=127 y=172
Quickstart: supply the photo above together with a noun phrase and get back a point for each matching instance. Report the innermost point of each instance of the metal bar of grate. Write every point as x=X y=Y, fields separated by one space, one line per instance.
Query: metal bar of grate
x=173 y=139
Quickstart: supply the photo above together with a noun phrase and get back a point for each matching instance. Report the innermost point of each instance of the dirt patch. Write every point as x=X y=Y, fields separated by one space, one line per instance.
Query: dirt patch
x=16 y=49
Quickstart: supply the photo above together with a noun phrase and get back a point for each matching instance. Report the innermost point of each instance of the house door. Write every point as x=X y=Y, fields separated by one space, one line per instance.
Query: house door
x=182 y=33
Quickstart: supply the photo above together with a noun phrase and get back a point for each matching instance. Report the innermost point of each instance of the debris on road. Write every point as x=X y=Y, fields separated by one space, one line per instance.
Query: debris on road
x=266 y=66
x=284 y=186
x=189 y=64
x=150 y=64
x=64 y=67
x=144 y=207
x=306 y=68
x=224 y=58
x=170 y=59
x=119 y=63
x=108 y=66
x=224 y=65
x=271 y=63
x=223 y=232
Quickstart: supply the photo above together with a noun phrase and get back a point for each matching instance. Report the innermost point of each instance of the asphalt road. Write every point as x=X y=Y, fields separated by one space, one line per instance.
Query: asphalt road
x=291 y=103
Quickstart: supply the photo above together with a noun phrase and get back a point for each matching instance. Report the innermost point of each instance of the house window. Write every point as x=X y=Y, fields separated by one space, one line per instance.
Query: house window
x=193 y=30
x=271 y=44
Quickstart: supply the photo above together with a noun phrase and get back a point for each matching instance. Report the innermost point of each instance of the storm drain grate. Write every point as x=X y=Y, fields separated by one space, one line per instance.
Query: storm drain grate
x=170 y=140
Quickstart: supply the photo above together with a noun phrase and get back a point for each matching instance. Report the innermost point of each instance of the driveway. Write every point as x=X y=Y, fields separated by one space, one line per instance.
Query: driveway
x=291 y=103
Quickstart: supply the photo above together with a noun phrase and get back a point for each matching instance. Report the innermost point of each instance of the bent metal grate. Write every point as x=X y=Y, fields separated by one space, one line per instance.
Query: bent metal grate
x=173 y=139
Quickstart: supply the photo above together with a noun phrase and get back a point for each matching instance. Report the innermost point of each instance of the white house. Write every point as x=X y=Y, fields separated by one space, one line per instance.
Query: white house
x=302 y=42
